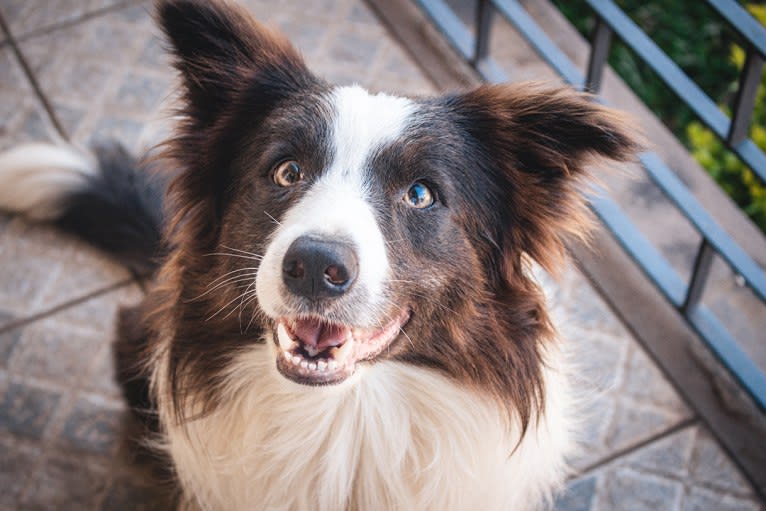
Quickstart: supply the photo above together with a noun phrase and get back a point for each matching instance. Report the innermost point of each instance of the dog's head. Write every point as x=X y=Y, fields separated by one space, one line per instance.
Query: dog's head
x=359 y=227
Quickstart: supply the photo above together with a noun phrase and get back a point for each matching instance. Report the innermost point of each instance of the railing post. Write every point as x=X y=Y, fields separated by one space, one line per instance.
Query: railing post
x=599 y=52
x=700 y=273
x=483 y=25
x=749 y=81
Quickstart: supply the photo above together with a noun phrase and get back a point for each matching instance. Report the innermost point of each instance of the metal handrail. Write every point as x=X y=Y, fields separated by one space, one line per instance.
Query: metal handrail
x=733 y=132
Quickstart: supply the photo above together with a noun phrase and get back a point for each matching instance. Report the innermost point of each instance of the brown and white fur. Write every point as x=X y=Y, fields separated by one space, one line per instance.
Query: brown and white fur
x=417 y=367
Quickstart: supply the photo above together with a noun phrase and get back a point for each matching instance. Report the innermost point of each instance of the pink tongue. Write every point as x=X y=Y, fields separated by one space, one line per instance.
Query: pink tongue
x=318 y=334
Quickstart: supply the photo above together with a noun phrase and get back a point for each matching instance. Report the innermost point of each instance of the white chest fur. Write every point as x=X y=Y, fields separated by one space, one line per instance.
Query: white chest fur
x=397 y=437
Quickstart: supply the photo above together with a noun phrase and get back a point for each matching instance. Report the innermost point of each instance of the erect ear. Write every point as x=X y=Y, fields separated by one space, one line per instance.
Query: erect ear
x=233 y=72
x=220 y=49
x=537 y=142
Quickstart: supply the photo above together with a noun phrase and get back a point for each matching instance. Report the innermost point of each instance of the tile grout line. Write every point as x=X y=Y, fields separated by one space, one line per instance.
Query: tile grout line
x=620 y=453
x=65 y=305
x=62 y=24
x=5 y=31
x=32 y=79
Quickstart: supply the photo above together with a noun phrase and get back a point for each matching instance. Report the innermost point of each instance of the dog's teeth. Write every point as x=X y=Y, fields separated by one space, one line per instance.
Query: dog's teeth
x=322 y=365
x=333 y=365
x=296 y=359
x=285 y=342
x=312 y=366
x=304 y=364
x=287 y=356
x=342 y=353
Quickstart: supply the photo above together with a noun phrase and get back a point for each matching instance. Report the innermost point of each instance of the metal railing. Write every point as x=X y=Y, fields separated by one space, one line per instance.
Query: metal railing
x=733 y=132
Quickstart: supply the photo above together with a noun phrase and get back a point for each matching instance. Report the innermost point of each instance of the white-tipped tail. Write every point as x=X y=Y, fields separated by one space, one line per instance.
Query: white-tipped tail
x=35 y=179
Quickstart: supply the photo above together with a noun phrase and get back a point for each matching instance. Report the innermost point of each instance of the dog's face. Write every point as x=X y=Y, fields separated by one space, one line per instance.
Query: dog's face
x=373 y=227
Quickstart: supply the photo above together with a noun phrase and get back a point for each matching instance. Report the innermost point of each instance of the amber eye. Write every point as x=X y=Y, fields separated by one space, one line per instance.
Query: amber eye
x=287 y=173
x=419 y=196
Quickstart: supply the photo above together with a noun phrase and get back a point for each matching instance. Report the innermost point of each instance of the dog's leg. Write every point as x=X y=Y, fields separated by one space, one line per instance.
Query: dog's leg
x=142 y=427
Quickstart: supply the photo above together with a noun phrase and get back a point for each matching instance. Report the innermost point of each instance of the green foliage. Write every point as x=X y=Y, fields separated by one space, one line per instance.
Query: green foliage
x=690 y=32
x=739 y=181
x=707 y=49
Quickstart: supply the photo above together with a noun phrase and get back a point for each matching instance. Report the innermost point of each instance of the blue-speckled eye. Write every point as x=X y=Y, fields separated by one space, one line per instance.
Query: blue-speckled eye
x=419 y=196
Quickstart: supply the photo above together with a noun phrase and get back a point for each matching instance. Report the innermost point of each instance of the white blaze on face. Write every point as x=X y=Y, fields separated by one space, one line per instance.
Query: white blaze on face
x=337 y=207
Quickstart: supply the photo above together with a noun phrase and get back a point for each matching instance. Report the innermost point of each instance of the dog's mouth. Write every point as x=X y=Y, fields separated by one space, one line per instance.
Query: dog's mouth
x=314 y=351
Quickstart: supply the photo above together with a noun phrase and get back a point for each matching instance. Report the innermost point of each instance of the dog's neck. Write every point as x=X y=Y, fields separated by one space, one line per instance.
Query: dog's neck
x=391 y=436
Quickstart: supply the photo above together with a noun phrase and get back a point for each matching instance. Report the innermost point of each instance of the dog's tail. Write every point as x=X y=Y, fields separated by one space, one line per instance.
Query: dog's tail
x=104 y=197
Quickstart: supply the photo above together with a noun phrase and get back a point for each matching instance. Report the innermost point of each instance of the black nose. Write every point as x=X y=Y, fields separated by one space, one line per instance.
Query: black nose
x=315 y=268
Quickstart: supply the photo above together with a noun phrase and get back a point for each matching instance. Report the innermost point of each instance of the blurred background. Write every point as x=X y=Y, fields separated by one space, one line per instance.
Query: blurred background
x=665 y=312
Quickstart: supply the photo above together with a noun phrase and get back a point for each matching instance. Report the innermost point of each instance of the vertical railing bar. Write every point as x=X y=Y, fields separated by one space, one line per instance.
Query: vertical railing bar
x=483 y=24
x=700 y=273
x=749 y=80
x=599 y=52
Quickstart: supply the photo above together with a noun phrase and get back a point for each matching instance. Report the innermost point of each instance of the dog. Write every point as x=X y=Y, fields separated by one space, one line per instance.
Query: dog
x=342 y=314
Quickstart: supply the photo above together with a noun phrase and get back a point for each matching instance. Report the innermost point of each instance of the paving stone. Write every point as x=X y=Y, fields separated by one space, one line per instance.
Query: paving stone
x=24 y=16
x=581 y=302
x=360 y=13
x=98 y=315
x=5 y=218
x=304 y=33
x=644 y=382
x=140 y=93
x=685 y=471
x=16 y=464
x=578 y=495
x=103 y=76
x=128 y=495
x=8 y=339
x=628 y=490
x=93 y=426
x=41 y=268
x=667 y=456
x=29 y=258
x=22 y=116
x=26 y=410
x=710 y=467
x=101 y=375
x=633 y=423
x=65 y=351
x=626 y=399
x=324 y=10
x=54 y=354
x=701 y=499
x=127 y=131
x=66 y=483
x=73 y=346
x=354 y=49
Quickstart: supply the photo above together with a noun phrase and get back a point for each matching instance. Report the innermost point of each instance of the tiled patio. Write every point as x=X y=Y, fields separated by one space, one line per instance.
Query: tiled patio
x=87 y=69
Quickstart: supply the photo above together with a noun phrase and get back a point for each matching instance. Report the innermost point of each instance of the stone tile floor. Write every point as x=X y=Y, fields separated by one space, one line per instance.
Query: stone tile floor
x=83 y=70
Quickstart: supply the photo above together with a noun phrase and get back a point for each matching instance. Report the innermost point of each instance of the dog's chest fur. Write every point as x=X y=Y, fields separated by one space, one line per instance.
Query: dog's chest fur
x=397 y=437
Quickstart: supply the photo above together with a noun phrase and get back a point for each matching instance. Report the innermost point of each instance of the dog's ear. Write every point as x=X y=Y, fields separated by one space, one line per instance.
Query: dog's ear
x=233 y=72
x=537 y=141
x=220 y=49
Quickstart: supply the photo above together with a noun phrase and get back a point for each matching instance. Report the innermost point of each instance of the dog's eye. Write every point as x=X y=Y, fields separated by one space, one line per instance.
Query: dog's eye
x=287 y=173
x=419 y=196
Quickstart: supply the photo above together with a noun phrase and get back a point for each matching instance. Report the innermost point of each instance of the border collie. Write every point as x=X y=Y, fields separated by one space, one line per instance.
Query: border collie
x=342 y=315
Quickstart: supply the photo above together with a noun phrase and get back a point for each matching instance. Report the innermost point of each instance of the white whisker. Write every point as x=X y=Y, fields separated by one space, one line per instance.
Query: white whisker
x=252 y=257
x=242 y=251
x=232 y=280
x=272 y=218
